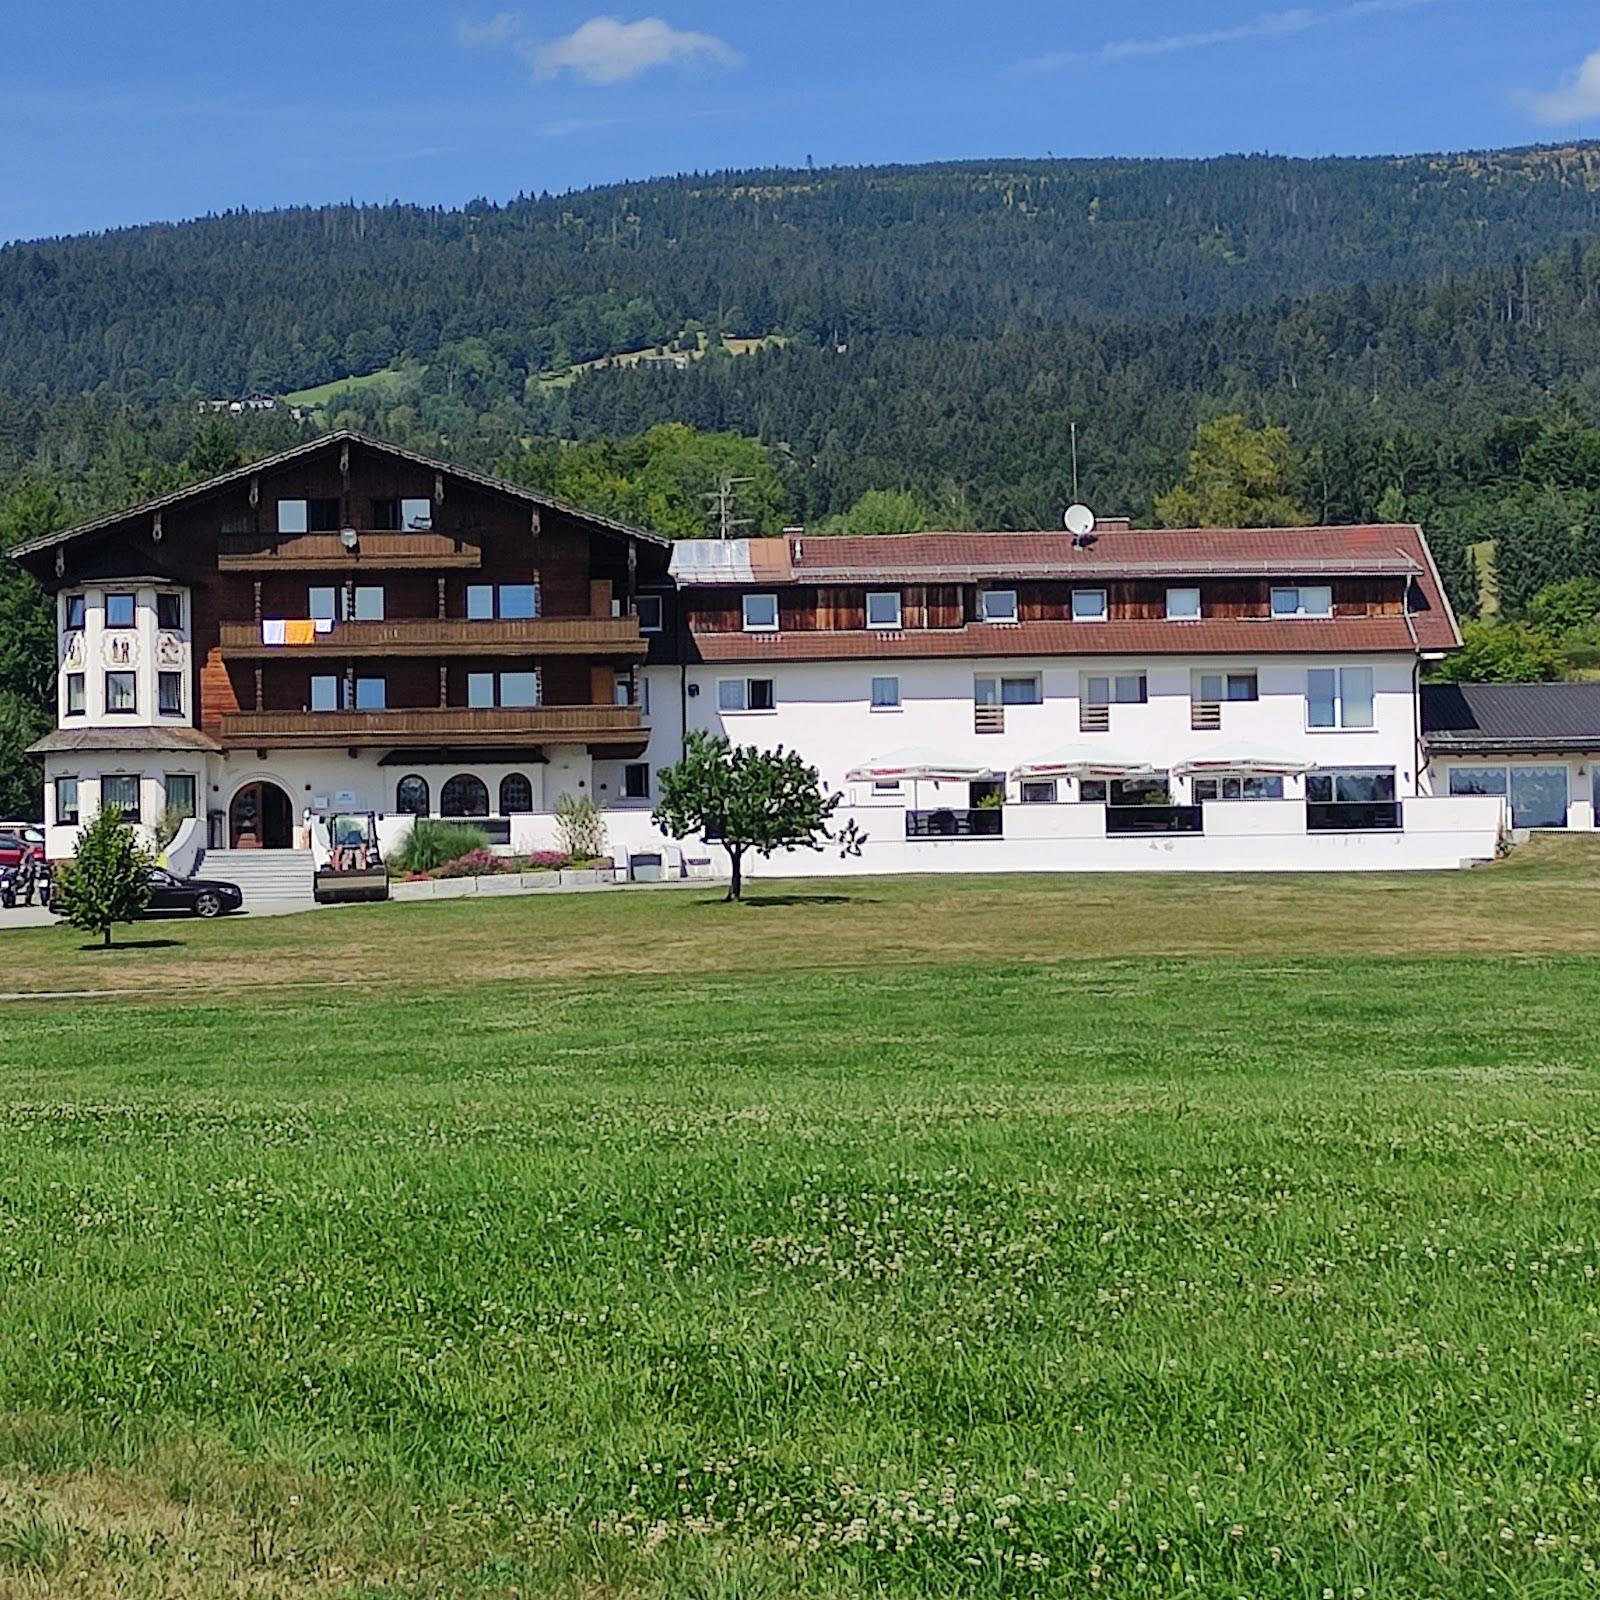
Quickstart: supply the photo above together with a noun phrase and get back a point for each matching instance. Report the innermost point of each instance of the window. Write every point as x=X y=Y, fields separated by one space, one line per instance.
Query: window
x=181 y=793
x=746 y=694
x=169 y=612
x=464 y=796
x=66 y=801
x=169 y=693
x=1150 y=791
x=516 y=795
x=384 y=516
x=508 y=601
x=75 y=694
x=636 y=781
x=1183 y=605
x=761 y=613
x=1125 y=689
x=76 y=610
x=120 y=792
x=121 y=695
x=372 y=694
x=1039 y=792
x=322 y=516
x=883 y=609
x=647 y=608
x=622 y=690
x=1088 y=605
x=480 y=691
x=997 y=605
x=411 y=797
x=1357 y=786
x=1478 y=780
x=325 y=695
x=1538 y=797
x=886 y=786
x=1007 y=692
x=885 y=694
x=1309 y=600
x=416 y=515
x=366 y=605
x=1236 y=789
x=320 y=603
x=519 y=689
x=1215 y=687
x=292 y=516
x=1339 y=697
x=119 y=611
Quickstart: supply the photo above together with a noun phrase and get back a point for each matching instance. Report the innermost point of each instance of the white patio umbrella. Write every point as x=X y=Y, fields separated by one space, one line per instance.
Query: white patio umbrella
x=915 y=766
x=1083 y=761
x=1244 y=761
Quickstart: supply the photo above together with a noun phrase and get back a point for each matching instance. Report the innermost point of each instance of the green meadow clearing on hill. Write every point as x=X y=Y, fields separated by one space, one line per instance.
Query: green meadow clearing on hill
x=1213 y=1237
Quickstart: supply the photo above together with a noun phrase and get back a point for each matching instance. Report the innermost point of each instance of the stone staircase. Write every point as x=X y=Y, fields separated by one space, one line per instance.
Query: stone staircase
x=278 y=876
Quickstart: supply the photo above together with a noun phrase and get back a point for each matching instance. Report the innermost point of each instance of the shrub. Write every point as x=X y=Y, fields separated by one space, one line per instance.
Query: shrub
x=431 y=843
x=107 y=881
x=582 y=829
x=485 y=864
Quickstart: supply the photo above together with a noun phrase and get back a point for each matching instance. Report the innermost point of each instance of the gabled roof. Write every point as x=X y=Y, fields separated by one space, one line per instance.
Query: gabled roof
x=312 y=446
x=1482 y=718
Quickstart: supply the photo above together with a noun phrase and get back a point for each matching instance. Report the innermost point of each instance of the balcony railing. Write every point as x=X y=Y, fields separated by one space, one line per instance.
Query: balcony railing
x=1352 y=816
x=985 y=823
x=1205 y=716
x=988 y=719
x=436 y=725
x=552 y=636
x=1093 y=719
x=1154 y=819
x=317 y=552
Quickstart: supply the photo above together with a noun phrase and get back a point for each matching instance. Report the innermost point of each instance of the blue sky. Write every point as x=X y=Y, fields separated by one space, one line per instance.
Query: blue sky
x=116 y=113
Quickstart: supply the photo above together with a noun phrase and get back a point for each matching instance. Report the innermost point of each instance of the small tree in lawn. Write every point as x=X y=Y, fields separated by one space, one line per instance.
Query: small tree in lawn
x=106 y=881
x=747 y=799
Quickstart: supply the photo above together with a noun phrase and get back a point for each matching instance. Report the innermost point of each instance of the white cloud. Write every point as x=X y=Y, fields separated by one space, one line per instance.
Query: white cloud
x=604 y=50
x=1577 y=100
x=1269 y=25
x=609 y=50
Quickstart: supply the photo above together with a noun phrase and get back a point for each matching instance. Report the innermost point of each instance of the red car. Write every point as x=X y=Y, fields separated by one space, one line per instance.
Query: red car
x=21 y=865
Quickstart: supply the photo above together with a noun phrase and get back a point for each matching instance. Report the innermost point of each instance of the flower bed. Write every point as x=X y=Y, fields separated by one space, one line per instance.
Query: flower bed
x=486 y=864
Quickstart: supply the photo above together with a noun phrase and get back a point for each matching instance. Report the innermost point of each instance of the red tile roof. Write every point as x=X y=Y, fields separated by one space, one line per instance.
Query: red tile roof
x=1217 y=637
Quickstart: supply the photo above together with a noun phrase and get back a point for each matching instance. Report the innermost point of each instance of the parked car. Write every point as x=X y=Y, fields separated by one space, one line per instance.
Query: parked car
x=22 y=870
x=171 y=895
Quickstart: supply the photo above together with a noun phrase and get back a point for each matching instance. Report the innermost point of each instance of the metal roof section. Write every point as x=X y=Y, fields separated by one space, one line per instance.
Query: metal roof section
x=707 y=563
x=1516 y=718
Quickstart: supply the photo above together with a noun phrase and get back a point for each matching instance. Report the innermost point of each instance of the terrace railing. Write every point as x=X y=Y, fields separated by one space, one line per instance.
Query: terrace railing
x=1154 y=819
x=945 y=823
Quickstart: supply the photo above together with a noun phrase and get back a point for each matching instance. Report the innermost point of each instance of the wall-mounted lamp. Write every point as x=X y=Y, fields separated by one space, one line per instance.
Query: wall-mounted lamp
x=349 y=538
x=694 y=691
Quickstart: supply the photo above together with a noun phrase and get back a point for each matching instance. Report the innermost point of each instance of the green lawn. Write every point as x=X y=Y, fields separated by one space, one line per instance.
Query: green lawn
x=838 y=1253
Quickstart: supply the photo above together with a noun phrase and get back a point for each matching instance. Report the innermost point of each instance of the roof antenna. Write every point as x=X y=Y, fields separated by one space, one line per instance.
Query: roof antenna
x=1074 y=426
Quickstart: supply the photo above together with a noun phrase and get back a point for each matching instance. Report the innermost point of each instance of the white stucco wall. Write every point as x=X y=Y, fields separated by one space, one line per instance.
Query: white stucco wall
x=1580 y=770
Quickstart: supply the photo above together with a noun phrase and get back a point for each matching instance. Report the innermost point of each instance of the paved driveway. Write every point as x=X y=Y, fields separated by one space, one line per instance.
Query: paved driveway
x=37 y=917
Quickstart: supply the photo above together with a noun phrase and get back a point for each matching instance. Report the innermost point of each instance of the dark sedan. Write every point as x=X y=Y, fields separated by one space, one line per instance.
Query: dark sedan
x=171 y=895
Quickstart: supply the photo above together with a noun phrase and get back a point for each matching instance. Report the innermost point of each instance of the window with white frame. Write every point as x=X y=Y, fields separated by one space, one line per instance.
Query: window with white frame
x=647 y=607
x=883 y=608
x=1304 y=600
x=66 y=801
x=1021 y=690
x=1039 y=791
x=181 y=793
x=997 y=605
x=321 y=602
x=1183 y=605
x=1120 y=689
x=327 y=691
x=1240 y=788
x=1215 y=687
x=1088 y=605
x=365 y=603
x=885 y=694
x=886 y=788
x=1339 y=697
x=119 y=791
x=746 y=694
x=761 y=613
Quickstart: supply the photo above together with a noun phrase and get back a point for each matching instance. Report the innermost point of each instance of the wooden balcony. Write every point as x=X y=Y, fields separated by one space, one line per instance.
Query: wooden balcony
x=436 y=726
x=433 y=636
x=325 y=552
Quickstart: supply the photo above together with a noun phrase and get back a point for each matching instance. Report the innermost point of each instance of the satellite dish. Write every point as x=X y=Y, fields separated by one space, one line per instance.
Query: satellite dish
x=1079 y=520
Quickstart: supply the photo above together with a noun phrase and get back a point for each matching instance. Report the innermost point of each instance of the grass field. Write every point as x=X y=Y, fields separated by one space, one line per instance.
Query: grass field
x=1082 y=1236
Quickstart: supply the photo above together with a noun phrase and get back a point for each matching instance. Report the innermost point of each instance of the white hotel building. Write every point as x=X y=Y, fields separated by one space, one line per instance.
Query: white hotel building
x=352 y=626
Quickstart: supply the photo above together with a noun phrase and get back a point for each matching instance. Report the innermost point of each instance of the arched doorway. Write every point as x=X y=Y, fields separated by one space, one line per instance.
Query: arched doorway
x=261 y=818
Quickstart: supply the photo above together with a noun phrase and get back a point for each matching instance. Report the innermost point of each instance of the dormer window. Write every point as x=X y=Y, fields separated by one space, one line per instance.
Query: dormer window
x=998 y=605
x=1088 y=605
x=883 y=609
x=761 y=613
x=1306 y=600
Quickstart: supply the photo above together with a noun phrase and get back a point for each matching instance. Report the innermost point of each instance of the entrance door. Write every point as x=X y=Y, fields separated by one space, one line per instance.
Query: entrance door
x=261 y=818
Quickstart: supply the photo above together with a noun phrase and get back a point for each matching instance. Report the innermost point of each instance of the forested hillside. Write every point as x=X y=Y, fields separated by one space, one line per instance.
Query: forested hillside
x=875 y=349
